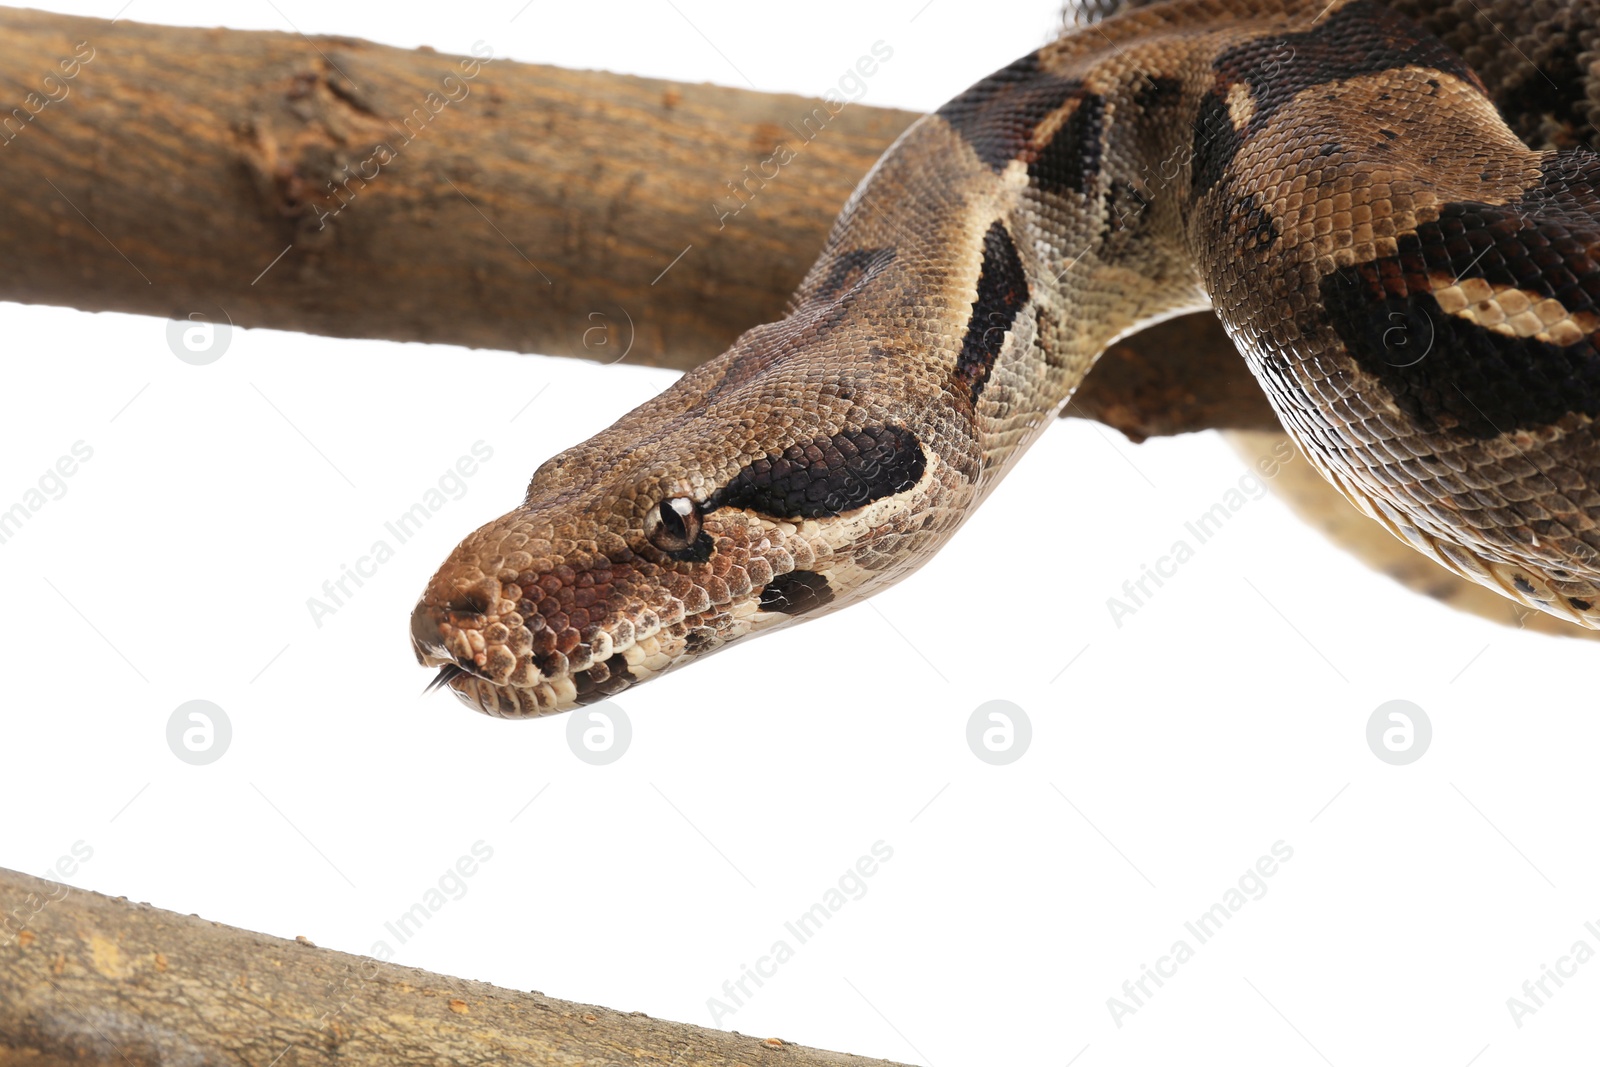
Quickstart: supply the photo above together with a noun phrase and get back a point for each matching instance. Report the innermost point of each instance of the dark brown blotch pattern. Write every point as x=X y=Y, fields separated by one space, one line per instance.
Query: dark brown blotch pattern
x=1002 y=294
x=1446 y=371
x=797 y=593
x=998 y=115
x=1070 y=161
x=827 y=475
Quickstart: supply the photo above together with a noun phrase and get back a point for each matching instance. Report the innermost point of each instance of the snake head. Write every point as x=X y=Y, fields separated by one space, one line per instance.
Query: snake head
x=533 y=615
x=716 y=511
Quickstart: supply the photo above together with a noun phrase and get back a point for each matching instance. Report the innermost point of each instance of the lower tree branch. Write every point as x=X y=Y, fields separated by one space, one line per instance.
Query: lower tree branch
x=87 y=979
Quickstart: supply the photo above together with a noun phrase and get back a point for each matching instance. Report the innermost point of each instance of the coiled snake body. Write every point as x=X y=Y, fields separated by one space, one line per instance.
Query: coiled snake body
x=1416 y=289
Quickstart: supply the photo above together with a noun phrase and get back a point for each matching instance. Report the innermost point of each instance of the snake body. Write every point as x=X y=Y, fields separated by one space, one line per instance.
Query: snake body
x=1416 y=289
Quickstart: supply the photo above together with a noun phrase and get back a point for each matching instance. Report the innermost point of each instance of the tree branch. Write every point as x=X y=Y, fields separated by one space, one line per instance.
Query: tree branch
x=87 y=979
x=335 y=186
x=419 y=196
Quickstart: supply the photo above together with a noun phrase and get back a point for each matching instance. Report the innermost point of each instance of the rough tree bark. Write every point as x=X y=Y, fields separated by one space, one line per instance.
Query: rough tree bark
x=522 y=207
x=87 y=979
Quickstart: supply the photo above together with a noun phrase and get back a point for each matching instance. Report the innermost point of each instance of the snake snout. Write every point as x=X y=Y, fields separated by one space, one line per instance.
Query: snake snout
x=525 y=619
x=427 y=641
x=452 y=609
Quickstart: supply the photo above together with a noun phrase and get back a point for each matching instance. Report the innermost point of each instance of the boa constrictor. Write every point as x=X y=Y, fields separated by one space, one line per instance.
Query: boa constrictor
x=1416 y=289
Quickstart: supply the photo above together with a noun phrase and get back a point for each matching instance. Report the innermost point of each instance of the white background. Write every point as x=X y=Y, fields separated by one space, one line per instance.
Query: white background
x=1170 y=755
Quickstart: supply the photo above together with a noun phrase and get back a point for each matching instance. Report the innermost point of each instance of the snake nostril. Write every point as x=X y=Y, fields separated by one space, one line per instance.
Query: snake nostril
x=468 y=603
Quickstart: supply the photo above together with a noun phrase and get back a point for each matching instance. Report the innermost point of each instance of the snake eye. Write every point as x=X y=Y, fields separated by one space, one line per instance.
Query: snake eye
x=675 y=525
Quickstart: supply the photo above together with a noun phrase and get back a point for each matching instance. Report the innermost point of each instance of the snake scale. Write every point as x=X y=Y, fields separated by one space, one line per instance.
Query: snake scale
x=1404 y=248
